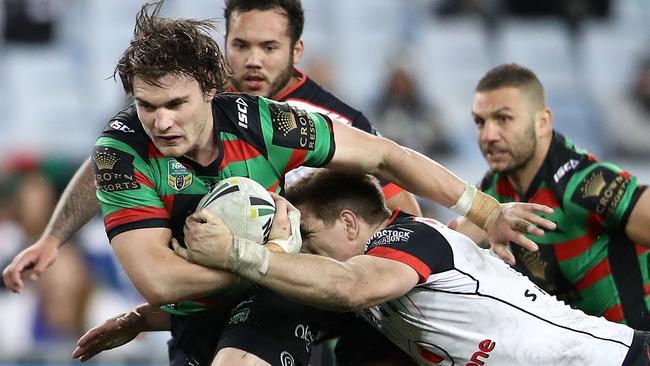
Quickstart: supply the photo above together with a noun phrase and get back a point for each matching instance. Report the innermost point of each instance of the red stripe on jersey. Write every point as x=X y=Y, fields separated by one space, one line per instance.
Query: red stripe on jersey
x=640 y=250
x=430 y=356
x=614 y=313
x=598 y=272
x=545 y=197
x=573 y=248
x=274 y=187
x=505 y=189
x=237 y=150
x=646 y=289
x=384 y=252
x=153 y=152
x=129 y=215
x=168 y=201
x=625 y=175
x=390 y=190
x=296 y=159
x=143 y=179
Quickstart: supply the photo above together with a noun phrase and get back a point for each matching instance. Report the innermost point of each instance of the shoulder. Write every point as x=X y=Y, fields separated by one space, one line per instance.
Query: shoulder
x=125 y=129
x=416 y=241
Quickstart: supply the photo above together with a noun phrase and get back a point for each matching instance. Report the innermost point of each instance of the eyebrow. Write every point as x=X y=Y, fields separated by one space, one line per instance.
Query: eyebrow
x=172 y=101
x=493 y=113
x=267 y=42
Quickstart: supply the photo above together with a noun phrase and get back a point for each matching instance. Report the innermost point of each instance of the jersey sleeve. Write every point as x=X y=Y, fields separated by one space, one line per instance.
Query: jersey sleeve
x=125 y=188
x=604 y=193
x=295 y=137
x=419 y=246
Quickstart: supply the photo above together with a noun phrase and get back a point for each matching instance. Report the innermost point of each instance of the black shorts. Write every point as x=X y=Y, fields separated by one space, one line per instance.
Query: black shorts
x=361 y=344
x=261 y=322
x=639 y=353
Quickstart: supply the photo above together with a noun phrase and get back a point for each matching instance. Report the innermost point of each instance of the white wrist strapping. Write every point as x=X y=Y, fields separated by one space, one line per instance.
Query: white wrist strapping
x=248 y=259
x=464 y=203
x=293 y=243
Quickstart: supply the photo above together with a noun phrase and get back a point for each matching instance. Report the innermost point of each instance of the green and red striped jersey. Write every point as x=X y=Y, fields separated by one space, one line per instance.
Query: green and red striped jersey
x=138 y=187
x=588 y=261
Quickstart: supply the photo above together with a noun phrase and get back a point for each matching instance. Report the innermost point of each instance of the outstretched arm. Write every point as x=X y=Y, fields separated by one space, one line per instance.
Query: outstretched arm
x=75 y=208
x=426 y=178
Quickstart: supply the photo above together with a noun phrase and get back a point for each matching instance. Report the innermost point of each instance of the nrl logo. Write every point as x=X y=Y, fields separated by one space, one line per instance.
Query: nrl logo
x=178 y=176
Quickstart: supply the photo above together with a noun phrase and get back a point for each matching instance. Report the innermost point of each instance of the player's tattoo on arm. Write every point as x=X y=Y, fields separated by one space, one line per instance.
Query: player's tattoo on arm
x=76 y=206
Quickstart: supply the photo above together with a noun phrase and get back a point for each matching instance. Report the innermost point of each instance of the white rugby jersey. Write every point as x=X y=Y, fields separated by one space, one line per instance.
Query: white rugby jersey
x=470 y=308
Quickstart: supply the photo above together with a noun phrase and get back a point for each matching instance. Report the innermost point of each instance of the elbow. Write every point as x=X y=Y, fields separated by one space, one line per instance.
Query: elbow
x=157 y=295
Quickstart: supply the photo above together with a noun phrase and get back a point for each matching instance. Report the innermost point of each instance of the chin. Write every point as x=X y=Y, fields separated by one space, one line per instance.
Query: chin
x=172 y=152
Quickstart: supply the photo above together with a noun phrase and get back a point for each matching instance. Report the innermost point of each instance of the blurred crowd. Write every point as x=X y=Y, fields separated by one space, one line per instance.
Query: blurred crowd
x=47 y=133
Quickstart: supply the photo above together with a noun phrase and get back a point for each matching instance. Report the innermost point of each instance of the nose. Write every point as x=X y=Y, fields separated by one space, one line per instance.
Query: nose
x=254 y=58
x=163 y=119
x=489 y=132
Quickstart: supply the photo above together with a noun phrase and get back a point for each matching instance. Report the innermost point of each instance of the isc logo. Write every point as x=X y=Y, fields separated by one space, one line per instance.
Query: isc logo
x=117 y=125
x=484 y=348
x=242 y=111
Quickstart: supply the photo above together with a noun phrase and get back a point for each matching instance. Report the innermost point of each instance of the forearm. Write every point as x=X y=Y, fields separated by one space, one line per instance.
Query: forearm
x=76 y=207
x=175 y=282
x=314 y=280
x=161 y=276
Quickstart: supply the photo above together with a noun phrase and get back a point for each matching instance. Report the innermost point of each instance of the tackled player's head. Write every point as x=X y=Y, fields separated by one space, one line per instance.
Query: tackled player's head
x=163 y=46
x=263 y=43
x=511 y=115
x=325 y=193
x=334 y=206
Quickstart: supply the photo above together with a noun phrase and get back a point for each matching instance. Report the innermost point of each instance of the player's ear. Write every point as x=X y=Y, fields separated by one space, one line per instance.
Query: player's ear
x=298 y=48
x=544 y=121
x=209 y=95
x=351 y=223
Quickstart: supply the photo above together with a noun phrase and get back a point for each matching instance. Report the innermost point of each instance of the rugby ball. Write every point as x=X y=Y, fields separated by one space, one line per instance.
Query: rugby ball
x=244 y=205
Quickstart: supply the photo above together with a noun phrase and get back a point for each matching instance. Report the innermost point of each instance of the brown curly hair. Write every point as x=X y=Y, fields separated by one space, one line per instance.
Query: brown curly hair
x=162 y=46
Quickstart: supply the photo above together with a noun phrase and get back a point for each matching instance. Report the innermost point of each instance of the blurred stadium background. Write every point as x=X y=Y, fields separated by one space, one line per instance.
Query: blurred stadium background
x=57 y=56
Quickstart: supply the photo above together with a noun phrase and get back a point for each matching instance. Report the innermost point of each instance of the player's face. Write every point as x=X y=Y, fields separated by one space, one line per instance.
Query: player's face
x=505 y=128
x=260 y=53
x=177 y=115
x=327 y=240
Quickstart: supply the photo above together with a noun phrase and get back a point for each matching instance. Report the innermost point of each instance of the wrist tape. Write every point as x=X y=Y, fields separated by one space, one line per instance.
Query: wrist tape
x=485 y=210
x=248 y=259
x=464 y=203
x=478 y=207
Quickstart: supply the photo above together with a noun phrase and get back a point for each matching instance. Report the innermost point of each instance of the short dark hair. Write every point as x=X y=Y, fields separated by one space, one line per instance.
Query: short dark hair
x=291 y=8
x=162 y=46
x=515 y=76
x=325 y=193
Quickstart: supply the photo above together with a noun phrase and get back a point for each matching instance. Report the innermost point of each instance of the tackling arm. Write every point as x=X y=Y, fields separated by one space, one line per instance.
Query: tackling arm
x=360 y=282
